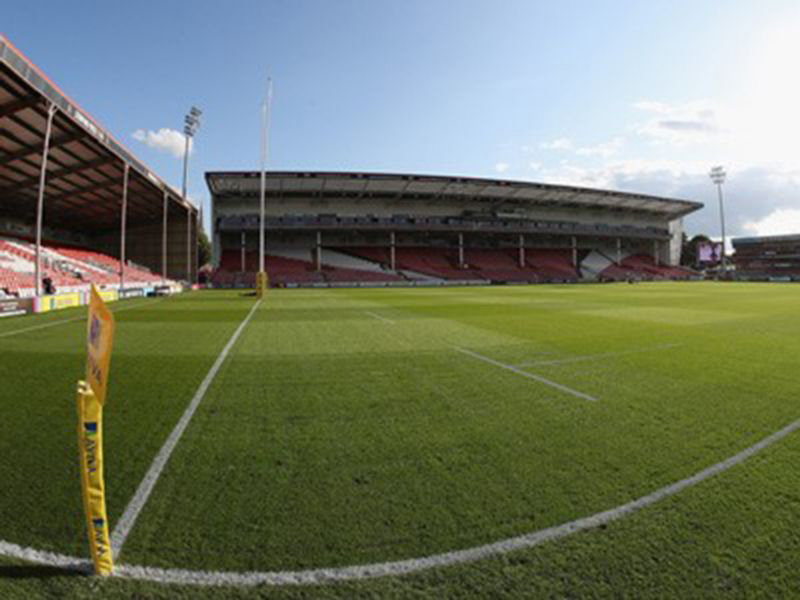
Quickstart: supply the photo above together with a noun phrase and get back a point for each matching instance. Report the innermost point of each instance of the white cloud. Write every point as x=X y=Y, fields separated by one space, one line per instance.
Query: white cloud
x=604 y=150
x=782 y=221
x=163 y=140
x=652 y=106
x=561 y=143
x=639 y=175
x=764 y=108
x=759 y=200
x=679 y=124
x=501 y=167
x=669 y=147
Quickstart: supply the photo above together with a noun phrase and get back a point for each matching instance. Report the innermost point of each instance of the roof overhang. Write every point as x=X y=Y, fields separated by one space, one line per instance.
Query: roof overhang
x=498 y=192
x=767 y=239
x=85 y=163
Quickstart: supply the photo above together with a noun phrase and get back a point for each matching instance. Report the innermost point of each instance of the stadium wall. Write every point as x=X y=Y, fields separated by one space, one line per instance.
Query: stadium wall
x=672 y=252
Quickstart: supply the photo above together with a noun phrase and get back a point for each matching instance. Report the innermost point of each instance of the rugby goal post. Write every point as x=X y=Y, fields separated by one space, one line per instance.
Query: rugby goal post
x=262 y=282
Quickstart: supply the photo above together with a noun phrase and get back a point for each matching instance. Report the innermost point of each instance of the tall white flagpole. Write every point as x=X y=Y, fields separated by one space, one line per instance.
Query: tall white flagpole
x=265 y=111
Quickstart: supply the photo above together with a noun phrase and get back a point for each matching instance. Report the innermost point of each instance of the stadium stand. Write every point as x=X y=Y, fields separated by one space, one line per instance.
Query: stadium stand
x=552 y=265
x=69 y=269
x=499 y=266
x=91 y=204
x=333 y=257
x=641 y=266
x=381 y=257
x=594 y=264
x=364 y=264
x=336 y=267
x=767 y=258
x=290 y=266
x=336 y=275
x=437 y=262
x=384 y=228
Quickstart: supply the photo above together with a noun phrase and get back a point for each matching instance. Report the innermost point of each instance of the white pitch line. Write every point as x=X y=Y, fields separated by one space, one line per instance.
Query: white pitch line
x=71 y=320
x=42 y=557
x=128 y=519
x=539 y=378
x=379 y=317
x=585 y=357
x=401 y=567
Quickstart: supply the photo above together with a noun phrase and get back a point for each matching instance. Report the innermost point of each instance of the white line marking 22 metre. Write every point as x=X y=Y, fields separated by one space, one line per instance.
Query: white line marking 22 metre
x=539 y=378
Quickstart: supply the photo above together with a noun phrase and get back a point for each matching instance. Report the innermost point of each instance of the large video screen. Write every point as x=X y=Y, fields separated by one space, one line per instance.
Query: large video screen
x=709 y=252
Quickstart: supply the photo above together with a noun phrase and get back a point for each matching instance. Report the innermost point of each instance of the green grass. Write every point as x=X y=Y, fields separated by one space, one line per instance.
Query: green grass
x=333 y=438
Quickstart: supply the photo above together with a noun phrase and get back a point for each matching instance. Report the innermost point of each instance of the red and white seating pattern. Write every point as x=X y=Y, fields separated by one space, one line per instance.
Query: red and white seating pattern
x=638 y=266
x=70 y=269
x=355 y=264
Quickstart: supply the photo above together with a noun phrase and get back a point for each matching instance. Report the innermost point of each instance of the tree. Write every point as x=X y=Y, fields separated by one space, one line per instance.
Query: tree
x=689 y=250
x=203 y=248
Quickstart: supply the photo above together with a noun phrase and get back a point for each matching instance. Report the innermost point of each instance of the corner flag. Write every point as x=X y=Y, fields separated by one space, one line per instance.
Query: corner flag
x=91 y=396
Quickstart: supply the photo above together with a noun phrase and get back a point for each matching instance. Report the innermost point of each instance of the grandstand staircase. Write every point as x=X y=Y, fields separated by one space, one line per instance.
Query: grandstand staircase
x=417 y=276
x=342 y=260
x=339 y=260
x=595 y=263
x=339 y=267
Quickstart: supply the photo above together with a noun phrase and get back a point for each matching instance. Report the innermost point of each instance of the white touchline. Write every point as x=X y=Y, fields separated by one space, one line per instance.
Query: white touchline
x=400 y=567
x=43 y=557
x=538 y=378
x=128 y=519
x=379 y=317
x=71 y=320
x=585 y=357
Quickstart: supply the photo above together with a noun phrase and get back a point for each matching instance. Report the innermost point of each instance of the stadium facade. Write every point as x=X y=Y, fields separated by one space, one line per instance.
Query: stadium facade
x=767 y=258
x=76 y=207
x=377 y=228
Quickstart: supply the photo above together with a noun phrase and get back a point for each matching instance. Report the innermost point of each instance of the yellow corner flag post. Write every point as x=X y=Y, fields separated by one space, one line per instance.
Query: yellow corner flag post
x=261 y=283
x=91 y=397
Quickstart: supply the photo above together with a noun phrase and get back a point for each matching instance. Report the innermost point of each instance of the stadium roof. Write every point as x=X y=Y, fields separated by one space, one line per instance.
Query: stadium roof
x=498 y=192
x=767 y=239
x=85 y=163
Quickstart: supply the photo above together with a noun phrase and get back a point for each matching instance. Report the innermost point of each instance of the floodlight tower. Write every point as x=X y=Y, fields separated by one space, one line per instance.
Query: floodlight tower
x=717 y=175
x=191 y=123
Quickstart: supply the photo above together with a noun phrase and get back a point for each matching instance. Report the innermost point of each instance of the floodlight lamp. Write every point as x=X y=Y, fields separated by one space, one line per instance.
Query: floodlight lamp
x=717 y=175
x=192 y=120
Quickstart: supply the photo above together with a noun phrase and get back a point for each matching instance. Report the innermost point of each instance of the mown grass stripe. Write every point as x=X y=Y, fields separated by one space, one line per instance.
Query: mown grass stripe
x=128 y=519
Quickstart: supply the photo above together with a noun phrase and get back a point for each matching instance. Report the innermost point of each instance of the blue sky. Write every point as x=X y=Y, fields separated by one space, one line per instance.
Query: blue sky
x=640 y=96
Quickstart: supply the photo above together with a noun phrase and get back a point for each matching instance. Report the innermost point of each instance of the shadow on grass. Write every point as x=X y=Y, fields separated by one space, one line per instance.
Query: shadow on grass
x=37 y=572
